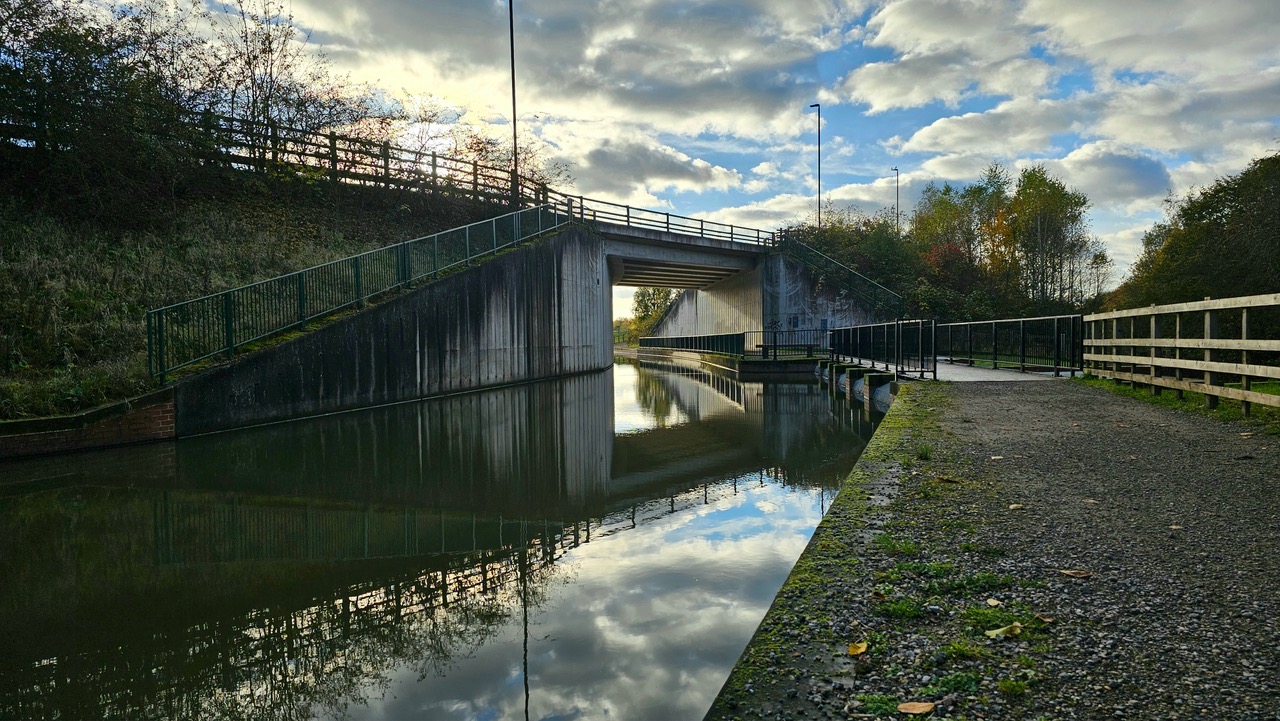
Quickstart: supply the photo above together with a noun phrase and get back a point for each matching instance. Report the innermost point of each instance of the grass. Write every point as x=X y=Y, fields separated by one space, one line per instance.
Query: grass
x=73 y=294
x=896 y=547
x=964 y=650
x=1268 y=417
x=879 y=704
x=901 y=609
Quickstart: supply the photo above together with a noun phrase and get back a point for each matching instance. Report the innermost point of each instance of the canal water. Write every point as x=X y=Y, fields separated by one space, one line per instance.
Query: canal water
x=597 y=547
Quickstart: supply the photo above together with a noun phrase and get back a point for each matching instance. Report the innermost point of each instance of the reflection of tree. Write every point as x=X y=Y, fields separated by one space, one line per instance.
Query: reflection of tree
x=655 y=397
x=289 y=656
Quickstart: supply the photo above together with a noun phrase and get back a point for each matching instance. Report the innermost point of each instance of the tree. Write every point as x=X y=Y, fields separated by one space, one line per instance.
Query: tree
x=648 y=306
x=1220 y=241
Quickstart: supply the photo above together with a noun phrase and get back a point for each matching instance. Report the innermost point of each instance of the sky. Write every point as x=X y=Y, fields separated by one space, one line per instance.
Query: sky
x=701 y=107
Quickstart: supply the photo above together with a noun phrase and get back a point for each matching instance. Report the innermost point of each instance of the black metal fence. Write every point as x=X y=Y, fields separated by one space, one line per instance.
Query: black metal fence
x=1049 y=343
x=907 y=346
x=723 y=343
x=772 y=344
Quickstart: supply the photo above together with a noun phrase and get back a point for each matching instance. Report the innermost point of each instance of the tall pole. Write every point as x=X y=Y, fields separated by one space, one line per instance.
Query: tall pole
x=515 y=147
x=896 y=213
x=819 y=107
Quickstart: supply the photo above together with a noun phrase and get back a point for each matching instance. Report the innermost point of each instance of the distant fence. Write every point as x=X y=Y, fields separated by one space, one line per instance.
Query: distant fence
x=1226 y=348
x=906 y=346
x=1048 y=343
x=184 y=333
x=772 y=344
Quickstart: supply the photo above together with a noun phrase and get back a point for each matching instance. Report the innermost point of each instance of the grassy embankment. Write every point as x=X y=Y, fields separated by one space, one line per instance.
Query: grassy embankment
x=74 y=291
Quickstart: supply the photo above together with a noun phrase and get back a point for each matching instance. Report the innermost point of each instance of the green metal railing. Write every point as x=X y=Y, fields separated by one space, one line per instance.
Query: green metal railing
x=184 y=333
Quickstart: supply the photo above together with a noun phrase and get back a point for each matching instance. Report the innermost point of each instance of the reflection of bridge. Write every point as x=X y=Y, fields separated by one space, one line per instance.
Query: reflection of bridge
x=296 y=654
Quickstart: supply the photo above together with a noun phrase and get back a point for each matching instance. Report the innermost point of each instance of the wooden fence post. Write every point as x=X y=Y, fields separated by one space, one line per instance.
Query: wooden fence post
x=1154 y=370
x=333 y=156
x=1210 y=378
x=1177 y=350
x=1245 y=383
x=386 y=164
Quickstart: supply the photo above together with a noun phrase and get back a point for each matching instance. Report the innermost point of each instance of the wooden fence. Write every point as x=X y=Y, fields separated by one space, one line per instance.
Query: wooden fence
x=1222 y=348
x=272 y=147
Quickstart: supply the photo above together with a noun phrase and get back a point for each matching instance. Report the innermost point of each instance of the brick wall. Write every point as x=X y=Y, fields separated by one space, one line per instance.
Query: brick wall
x=149 y=418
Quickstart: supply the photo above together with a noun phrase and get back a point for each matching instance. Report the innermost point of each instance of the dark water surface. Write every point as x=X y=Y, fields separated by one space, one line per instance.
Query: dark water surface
x=597 y=547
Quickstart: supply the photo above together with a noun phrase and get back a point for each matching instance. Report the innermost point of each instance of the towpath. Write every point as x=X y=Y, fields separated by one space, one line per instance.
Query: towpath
x=968 y=505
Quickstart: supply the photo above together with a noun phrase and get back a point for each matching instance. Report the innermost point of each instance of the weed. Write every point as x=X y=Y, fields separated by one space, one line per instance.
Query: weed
x=878 y=704
x=964 y=650
x=964 y=682
x=924 y=451
x=903 y=609
x=1009 y=687
x=895 y=547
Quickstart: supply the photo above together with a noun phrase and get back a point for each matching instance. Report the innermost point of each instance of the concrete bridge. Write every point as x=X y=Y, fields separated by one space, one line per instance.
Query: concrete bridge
x=528 y=302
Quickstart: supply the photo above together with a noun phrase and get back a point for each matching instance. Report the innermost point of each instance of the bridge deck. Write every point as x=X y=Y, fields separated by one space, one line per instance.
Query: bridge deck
x=1173 y=518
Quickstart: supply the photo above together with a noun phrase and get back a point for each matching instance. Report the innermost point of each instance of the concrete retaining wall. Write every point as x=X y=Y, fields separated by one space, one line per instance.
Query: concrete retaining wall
x=541 y=311
x=731 y=306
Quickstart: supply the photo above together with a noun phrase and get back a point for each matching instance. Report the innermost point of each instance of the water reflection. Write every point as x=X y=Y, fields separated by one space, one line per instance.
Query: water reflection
x=460 y=558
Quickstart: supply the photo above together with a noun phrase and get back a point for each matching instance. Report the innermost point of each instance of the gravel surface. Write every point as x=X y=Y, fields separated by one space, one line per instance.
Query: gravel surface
x=978 y=494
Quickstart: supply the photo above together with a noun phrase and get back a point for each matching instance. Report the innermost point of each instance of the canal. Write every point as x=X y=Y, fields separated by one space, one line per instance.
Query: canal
x=596 y=547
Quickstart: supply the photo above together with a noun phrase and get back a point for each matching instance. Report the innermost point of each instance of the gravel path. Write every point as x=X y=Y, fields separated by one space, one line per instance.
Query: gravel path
x=982 y=493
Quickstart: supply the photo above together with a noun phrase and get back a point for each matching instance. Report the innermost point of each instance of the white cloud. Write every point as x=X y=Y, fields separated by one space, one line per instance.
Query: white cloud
x=946 y=50
x=1112 y=175
x=1013 y=127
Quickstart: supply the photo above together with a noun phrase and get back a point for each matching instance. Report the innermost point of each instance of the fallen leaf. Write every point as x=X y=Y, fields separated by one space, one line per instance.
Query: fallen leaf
x=1075 y=425
x=916 y=708
x=997 y=458
x=1015 y=506
x=947 y=479
x=1123 y=425
x=1175 y=527
x=1044 y=619
x=1074 y=573
x=993 y=602
x=1091 y=501
x=1012 y=629
x=857 y=649
x=1247 y=435
x=878 y=596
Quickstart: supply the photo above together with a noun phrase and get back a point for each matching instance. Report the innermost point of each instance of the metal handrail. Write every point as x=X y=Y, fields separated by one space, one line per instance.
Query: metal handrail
x=1051 y=343
x=181 y=334
x=592 y=210
x=877 y=295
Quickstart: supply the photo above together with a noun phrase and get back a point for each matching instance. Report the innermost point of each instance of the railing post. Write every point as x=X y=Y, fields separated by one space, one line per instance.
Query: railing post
x=968 y=332
x=1057 y=354
x=467 y=235
x=161 y=364
x=668 y=222
x=1152 y=333
x=515 y=232
x=934 y=344
x=386 y=164
x=1177 y=350
x=1022 y=344
x=1210 y=378
x=1245 y=382
x=435 y=255
x=302 y=298
x=435 y=172
x=228 y=323
x=358 y=281
x=995 y=347
x=475 y=180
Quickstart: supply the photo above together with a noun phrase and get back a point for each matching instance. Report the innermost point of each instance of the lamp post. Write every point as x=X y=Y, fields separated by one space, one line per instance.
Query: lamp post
x=896 y=232
x=515 y=147
x=819 y=107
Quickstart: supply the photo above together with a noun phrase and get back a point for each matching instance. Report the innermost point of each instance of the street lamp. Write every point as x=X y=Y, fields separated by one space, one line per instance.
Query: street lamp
x=896 y=232
x=819 y=107
x=515 y=147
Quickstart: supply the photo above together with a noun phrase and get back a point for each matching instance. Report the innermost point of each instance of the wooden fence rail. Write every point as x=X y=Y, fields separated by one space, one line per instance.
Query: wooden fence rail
x=1221 y=348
